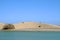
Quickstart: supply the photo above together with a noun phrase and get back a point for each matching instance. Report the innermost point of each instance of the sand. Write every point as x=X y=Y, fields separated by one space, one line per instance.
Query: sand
x=33 y=26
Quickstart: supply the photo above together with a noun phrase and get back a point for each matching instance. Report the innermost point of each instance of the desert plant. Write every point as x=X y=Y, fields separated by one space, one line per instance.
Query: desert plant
x=8 y=26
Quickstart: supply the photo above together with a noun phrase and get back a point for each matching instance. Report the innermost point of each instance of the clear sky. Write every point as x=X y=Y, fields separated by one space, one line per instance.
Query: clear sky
x=14 y=11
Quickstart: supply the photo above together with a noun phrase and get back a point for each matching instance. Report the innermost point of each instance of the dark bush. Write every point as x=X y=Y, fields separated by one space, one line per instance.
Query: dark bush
x=39 y=26
x=8 y=26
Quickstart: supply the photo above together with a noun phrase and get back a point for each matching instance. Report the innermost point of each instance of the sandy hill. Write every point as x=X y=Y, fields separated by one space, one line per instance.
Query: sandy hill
x=33 y=26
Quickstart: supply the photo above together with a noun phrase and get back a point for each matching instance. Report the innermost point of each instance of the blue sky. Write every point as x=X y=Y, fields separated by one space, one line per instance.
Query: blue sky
x=45 y=11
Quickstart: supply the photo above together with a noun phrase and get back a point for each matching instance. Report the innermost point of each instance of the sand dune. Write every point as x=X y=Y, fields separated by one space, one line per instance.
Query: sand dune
x=33 y=26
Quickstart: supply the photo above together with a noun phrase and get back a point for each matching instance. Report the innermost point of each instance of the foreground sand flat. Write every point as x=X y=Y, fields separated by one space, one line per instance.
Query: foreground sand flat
x=33 y=26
